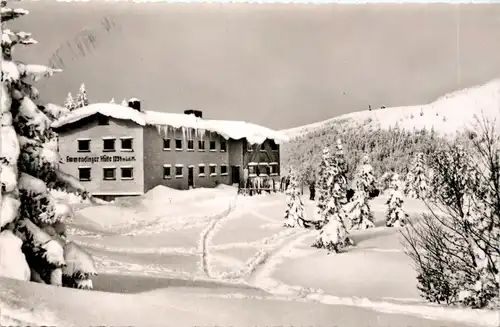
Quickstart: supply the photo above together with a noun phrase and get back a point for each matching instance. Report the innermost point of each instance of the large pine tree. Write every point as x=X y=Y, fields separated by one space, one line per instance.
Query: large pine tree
x=333 y=234
x=30 y=219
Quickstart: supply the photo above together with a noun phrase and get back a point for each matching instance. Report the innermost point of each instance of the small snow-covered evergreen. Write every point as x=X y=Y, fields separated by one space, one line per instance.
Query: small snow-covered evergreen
x=322 y=187
x=29 y=166
x=69 y=103
x=124 y=103
x=294 y=214
x=395 y=214
x=360 y=214
x=112 y=100
x=81 y=98
x=416 y=181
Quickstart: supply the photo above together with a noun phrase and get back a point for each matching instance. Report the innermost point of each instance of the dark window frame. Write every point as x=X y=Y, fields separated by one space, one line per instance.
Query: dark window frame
x=190 y=145
x=181 y=175
x=223 y=148
x=212 y=170
x=179 y=148
x=167 y=168
x=222 y=173
x=131 y=149
x=214 y=146
x=122 y=169
x=201 y=145
x=113 y=169
x=80 y=169
x=79 y=143
x=104 y=149
x=168 y=142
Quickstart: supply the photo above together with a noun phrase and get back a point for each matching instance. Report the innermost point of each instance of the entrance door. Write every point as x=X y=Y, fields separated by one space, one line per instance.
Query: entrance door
x=235 y=175
x=190 y=176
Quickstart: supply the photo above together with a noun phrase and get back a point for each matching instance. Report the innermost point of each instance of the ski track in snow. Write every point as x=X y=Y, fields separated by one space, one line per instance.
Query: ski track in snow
x=205 y=238
x=258 y=270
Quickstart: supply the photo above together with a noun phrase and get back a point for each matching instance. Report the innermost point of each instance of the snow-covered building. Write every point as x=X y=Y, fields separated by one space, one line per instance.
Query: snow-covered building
x=118 y=150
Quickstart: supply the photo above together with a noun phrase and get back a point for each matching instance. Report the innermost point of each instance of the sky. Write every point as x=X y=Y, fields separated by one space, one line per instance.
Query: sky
x=277 y=65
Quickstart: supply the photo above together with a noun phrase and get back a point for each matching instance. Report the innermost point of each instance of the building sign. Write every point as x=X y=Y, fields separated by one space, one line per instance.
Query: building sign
x=103 y=158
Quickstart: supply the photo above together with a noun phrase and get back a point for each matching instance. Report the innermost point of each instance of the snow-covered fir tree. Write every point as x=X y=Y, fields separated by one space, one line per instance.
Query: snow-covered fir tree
x=333 y=234
x=124 y=103
x=416 y=181
x=324 y=175
x=31 y=221
x=69 y=103
x=395 y=214
x=360 y=214
x=294 y=213
x=81 y=98
x=112 y=100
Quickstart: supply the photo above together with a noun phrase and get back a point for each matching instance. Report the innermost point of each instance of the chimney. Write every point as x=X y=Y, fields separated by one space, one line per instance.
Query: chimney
x=134 y=104
x=196 y=113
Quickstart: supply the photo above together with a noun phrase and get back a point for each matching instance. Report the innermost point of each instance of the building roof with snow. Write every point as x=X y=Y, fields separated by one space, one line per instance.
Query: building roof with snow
x=228 y=129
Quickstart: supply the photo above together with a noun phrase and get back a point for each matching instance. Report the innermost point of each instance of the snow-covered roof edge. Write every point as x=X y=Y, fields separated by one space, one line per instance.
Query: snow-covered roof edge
x=107 y=109
x=236 y=130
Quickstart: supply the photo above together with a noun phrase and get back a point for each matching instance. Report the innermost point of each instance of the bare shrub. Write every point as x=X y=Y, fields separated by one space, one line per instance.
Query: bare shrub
x=456 y=248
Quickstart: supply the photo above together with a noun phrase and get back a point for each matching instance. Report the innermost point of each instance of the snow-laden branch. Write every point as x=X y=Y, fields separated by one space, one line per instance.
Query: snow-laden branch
x=12 y=13
x=10 y=38
x=36 y=72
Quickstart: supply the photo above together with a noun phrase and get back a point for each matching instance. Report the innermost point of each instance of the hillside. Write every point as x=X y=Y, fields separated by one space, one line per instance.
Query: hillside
x=391 y=136
x=446 y=115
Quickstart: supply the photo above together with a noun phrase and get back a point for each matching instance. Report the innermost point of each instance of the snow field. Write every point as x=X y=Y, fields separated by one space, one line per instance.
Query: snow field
x=161 y=273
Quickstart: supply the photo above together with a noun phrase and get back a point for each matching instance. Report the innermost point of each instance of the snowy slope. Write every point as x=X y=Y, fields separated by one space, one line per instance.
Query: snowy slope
x=446 y=115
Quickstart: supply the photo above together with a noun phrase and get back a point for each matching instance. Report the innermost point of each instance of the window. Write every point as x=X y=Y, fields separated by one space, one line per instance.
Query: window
x=263 y=169
x=84 y=174
x=83 y=145
x=127 y=144
x=109 y=173
x=167 y=172
x=274 y=146
x=249 y=147
x=178 y=144
x=127 y=173
x=212 y=170
x=212 y=145
x=103 y=120
x=223 y=170
x=108 y=145
x=201 y=170
x=223 y=146
x=190 y=145
x=273 y=168
x=201 y=145
x=178 y=171
x=166 y=144
x=252 y=171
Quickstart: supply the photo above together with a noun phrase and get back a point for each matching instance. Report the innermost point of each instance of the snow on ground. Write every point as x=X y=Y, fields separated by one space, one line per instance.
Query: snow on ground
x=231 y=263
